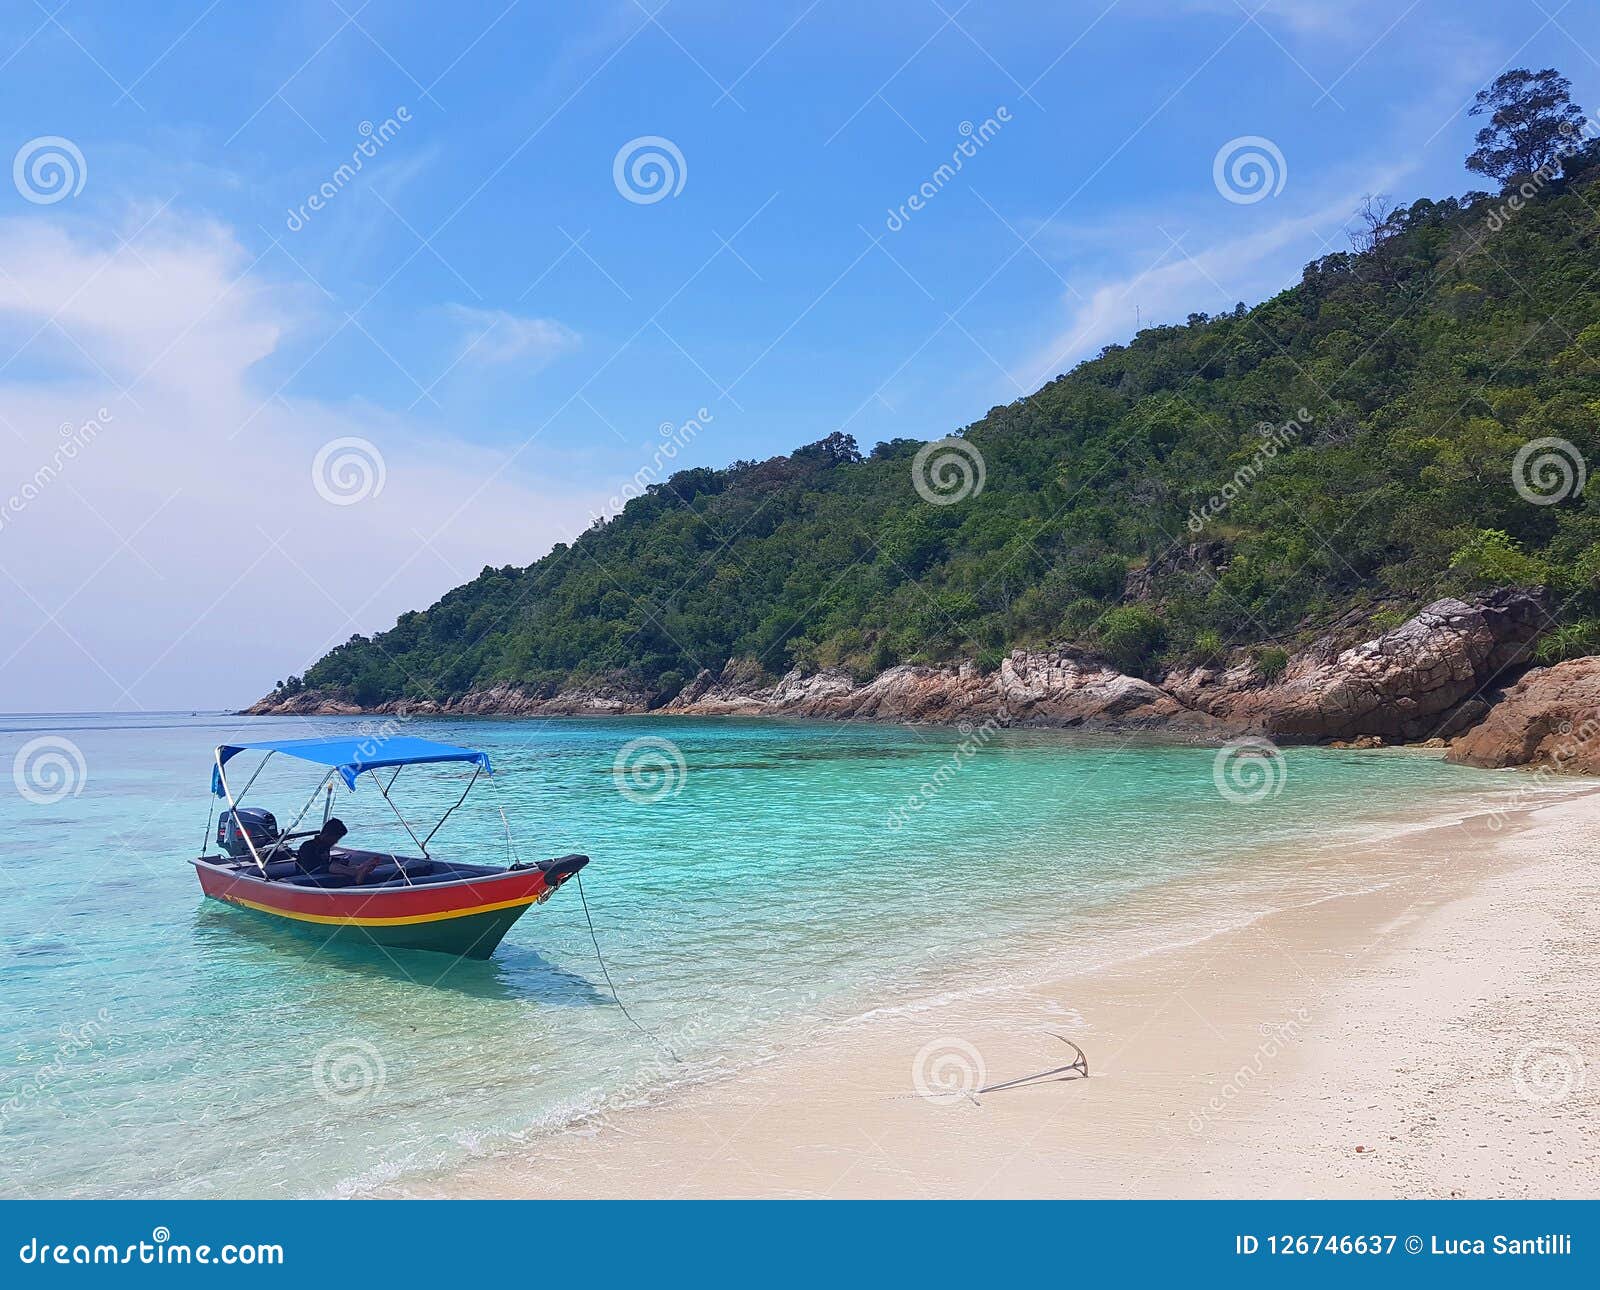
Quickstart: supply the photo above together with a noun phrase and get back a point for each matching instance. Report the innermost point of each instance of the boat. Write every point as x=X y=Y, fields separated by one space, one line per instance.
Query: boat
x=414 y=902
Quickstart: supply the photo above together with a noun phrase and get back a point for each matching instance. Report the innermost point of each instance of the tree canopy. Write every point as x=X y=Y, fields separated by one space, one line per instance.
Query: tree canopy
x=1131 y=506
x=1531 y=118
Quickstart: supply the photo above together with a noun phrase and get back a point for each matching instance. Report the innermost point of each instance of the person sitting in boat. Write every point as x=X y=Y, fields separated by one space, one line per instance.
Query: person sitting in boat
x=316 y=855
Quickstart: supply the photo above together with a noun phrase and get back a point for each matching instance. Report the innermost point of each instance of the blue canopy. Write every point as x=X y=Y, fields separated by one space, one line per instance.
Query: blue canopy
x=352 y=757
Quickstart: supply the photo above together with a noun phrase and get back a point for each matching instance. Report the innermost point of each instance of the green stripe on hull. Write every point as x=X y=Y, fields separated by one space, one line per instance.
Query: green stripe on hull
x=472 y=936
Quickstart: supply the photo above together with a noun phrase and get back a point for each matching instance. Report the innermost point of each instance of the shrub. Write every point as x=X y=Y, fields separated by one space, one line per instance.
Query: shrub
x=1271 y=661
x=1574 y=640
x=1492 y=557
x=1130 y=634
x=1208 y=644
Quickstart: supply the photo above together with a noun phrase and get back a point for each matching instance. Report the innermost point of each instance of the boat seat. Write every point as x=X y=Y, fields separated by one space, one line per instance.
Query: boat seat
x=396 y=882
x=386 y=872
x=387 y=875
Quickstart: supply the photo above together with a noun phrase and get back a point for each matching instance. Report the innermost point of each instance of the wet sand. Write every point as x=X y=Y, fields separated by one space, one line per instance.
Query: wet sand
x=1428 y=1031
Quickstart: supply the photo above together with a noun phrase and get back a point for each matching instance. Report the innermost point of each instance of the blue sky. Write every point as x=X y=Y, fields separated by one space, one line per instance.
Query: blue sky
x=486 y=307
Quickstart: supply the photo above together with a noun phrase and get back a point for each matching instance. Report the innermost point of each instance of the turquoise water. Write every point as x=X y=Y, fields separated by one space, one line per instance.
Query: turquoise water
x=774 y=881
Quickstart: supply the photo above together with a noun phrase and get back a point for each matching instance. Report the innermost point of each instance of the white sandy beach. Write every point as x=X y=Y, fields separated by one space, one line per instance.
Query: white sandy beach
x=1430 y=1033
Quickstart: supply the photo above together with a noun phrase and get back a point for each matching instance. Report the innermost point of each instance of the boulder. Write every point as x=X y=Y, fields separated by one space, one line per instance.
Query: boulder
x=308 y=703
x=1426 y=679
x=1551 y=717
x=1421 y=680
x=1061 y=687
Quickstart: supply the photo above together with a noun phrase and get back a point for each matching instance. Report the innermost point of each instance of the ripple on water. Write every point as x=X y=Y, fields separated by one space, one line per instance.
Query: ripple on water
x=786 y=885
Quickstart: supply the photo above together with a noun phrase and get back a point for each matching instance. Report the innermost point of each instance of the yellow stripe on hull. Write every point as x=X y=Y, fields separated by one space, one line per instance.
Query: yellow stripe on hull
x=346 y=920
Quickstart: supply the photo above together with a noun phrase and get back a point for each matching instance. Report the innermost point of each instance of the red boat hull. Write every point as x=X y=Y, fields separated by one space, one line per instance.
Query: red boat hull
x=467 y=917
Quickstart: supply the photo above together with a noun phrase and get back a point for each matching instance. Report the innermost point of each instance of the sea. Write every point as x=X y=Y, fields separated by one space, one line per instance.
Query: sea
x=753 y=885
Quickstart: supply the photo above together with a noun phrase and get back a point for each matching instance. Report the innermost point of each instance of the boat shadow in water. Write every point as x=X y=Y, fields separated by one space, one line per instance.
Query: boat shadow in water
x=515 y=973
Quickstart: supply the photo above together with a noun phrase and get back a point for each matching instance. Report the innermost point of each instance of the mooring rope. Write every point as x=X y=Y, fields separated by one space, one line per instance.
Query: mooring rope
x=610 y=985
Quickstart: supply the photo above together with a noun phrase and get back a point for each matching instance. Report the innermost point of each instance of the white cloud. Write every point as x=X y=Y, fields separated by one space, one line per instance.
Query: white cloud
x=1176 y=281
x=1214 y=265
x=497 y=336
x=184 y=557
x=1191 y=258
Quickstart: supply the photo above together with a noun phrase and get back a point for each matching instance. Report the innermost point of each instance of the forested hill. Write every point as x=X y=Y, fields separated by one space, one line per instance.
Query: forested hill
x=1343 y=452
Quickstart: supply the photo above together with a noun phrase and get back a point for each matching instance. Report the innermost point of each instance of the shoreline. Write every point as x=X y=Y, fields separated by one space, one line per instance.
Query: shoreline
x=1252 y=1059
x=1416 y=682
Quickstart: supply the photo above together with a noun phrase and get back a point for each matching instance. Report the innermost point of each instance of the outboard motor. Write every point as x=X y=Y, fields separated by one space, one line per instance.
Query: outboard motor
x=233 y=825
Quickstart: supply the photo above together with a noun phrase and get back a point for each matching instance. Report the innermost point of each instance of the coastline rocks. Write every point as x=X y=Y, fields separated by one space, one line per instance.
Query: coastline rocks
x=1423 y=680
x=1059 y=687
x=308 y=703
x=1551 y=717
x=1417 y=681
x=590 y=699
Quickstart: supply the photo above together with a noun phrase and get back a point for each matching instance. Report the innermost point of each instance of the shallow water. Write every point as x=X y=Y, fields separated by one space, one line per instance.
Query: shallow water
x=756 y=880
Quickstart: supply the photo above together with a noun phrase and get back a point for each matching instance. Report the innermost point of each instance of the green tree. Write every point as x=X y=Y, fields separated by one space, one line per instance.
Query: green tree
x=1492 y=558
x=1424 y=364
x=1130 y=634
x=1531 y=114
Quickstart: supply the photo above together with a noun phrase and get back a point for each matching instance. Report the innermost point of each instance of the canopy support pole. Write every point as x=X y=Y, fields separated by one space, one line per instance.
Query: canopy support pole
x=278 y=841
x=475 y=771
x=511 y=846
x=421 y=846
x=261 y=766
x=233 y=809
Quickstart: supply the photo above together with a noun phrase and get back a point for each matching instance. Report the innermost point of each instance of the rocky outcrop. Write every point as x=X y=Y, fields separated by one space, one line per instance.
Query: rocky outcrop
x=593 y=699
x=308 y=703
x=1426 y=679
x=1550 y=718
x=1057 y=687
x=1423 y=679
